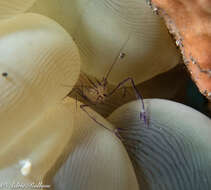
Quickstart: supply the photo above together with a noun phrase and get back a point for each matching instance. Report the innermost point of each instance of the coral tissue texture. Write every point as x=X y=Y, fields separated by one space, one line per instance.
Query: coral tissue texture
x=190 y=22
x=10 y=8
x=102 y=28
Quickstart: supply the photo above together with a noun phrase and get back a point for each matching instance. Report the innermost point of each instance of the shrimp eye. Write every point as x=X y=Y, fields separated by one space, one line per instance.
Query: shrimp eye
x=122 y=55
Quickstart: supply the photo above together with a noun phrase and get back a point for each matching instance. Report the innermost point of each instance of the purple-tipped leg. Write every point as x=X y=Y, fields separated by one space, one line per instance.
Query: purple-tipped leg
x=138 y=94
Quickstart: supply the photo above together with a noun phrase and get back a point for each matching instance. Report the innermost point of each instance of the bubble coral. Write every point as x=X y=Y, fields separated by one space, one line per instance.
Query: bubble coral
x=96 y=158
x=10 y=8
x=39 y=65
x=189 y=21
x=37 y=57
x=174 y=152
x=44 y=138
x=102 y=28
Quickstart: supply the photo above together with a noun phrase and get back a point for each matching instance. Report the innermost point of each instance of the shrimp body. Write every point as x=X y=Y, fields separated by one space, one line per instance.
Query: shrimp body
x=97 y=94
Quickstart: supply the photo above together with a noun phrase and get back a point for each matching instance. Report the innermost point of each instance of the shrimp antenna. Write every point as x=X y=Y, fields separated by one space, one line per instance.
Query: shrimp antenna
x=119 y=55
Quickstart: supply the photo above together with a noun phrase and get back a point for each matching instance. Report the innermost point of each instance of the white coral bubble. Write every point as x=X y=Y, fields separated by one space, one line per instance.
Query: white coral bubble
x=96 y=158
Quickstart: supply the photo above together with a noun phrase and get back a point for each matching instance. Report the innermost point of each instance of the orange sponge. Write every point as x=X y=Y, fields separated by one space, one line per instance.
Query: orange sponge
x=190 y=22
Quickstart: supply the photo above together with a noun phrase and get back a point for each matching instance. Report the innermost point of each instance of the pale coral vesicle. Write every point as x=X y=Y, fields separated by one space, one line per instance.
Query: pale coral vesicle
x=39 y=65
x=101 y=28
x=95 y=157
x=174 y=151
x=11 y=8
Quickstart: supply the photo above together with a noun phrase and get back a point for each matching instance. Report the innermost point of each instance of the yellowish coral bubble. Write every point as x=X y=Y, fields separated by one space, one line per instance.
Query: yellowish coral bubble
x=34 y=150
x=37 y=59
x=9 y=8
x=100 y=29
x=65 y=148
